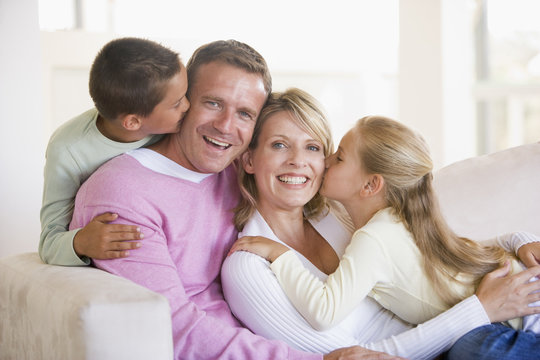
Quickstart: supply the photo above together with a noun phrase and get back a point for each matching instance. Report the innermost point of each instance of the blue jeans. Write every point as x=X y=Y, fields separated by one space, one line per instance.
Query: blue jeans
x=496 y=341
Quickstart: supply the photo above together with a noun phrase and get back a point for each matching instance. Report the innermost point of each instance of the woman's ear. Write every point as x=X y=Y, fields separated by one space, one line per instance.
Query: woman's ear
x=247 y=162
x=131 y=122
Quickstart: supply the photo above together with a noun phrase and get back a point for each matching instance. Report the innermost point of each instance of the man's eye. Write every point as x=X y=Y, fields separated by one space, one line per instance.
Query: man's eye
x=245 y=115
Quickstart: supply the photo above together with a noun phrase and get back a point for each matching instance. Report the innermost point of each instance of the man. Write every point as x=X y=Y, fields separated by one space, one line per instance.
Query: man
x=180 y=193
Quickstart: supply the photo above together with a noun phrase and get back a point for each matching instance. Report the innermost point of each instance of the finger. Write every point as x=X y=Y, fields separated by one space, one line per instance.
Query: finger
x=123 y=228
x=116 y=254
x=123 y=236
x=527 y=274
x=500 y=272
x=124 y=245
x=106 y=217
x=530 y=260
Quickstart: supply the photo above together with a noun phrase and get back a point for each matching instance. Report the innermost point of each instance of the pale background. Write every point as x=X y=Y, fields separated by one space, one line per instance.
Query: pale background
x=414 y=60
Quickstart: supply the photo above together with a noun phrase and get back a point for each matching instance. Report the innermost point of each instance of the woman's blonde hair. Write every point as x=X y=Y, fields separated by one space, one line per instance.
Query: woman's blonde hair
x=309 y=116
x=390 y=149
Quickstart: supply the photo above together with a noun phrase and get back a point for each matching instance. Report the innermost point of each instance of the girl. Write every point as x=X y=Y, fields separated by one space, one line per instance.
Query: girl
x=403 y=254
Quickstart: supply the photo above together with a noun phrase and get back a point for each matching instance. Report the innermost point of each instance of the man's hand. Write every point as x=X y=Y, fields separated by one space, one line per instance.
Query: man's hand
x=101 y=240
x=506 y=297
x=358 y=353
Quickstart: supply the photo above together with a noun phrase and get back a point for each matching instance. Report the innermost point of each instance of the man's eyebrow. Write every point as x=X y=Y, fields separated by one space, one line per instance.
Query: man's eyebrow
x=211 y=97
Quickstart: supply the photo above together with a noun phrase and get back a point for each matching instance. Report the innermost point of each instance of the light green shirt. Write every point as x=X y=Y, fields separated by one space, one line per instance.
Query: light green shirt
x=75 y=150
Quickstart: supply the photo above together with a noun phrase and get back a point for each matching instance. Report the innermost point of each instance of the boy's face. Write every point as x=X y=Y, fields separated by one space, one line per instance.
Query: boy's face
x=225 y=104
x=167 y=115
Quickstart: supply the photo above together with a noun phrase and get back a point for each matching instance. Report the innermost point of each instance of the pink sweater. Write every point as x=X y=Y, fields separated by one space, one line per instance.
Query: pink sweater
x=187 y=230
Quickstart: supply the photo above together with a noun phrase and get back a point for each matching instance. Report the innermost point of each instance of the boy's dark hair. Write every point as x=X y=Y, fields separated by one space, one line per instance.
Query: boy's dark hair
x=231 y=52
x=130 y=76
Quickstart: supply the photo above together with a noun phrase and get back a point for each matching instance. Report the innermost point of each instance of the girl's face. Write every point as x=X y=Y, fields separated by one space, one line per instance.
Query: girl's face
x=345 y=175
x=288 y=164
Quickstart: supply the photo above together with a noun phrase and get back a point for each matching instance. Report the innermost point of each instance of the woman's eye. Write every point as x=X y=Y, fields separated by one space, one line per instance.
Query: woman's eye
x=314 y=148
x=278 y=145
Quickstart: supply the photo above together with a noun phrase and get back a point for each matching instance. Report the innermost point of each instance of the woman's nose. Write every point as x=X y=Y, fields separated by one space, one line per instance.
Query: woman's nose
x=297 y=158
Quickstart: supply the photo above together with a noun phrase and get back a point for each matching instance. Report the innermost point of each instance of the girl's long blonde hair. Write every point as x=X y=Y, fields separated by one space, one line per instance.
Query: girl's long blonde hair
x=401 y=157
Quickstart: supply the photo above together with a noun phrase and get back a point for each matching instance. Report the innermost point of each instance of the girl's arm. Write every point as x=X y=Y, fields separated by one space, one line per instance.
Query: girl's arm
x=324 y=304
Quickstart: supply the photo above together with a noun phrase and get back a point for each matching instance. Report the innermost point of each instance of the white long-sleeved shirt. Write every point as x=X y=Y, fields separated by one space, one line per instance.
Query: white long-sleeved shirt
x=257 y=299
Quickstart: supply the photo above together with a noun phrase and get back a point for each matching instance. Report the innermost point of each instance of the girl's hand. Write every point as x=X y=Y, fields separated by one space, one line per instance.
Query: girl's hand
x=505 y=297
x=529 y=254
x=264 y=247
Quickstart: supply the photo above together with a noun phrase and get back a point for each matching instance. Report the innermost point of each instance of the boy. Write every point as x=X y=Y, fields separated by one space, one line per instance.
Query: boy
x=139 y=91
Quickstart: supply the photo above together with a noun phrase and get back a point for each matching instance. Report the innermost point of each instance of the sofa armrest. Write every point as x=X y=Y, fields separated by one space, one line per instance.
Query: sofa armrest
x=494 y=194
x=54 y=312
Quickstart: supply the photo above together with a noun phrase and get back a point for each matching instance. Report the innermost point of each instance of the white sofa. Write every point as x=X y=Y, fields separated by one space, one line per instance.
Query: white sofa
x=53 y=312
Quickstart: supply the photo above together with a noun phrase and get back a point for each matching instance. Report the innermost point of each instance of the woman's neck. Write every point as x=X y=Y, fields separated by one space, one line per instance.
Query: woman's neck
x=287 y=225
x=291 y=228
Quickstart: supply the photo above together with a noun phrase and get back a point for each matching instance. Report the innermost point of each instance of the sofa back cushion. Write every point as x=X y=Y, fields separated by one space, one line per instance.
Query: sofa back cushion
x=492 y=194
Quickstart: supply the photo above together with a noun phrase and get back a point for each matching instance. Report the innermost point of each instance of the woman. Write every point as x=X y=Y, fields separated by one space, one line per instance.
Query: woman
x=282 y=172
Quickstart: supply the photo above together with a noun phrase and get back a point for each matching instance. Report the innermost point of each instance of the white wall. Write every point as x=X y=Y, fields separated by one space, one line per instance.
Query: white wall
x=436 y=76
x=21 y=148
x=301 y=52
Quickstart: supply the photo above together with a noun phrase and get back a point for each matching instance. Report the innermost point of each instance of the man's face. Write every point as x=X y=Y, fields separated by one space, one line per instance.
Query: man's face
x=225 y=103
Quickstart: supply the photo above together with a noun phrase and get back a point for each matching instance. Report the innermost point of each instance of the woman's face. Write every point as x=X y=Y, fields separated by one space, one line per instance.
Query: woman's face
x=288 y=164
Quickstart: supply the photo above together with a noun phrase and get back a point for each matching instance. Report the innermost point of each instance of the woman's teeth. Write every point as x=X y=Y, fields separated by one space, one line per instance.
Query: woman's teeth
x=292 y=179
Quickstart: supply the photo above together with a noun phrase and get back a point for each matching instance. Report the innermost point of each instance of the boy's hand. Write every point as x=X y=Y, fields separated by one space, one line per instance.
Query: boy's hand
x=100 y=240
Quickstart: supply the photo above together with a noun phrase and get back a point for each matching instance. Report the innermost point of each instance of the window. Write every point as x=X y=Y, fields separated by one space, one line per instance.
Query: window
x=508 y=73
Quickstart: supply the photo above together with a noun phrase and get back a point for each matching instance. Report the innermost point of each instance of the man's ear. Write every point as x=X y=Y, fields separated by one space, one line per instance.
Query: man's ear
x=131 y=122
x=247 y=162
x=373 y=186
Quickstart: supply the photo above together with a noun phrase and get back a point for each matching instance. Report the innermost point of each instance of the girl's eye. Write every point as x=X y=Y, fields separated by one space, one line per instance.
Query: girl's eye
x=313 y=148
x=338 y=158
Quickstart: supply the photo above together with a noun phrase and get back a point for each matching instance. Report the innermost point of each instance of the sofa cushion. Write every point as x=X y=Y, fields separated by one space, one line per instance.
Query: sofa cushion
x=493 y=194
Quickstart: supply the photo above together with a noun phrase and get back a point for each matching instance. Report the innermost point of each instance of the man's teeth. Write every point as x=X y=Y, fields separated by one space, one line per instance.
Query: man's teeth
x=293 y=179
x=214 y=141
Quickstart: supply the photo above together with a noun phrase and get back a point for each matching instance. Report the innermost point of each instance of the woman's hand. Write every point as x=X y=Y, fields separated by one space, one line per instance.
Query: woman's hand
x=529 y=254
x=505 y=297
x=259 y=245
